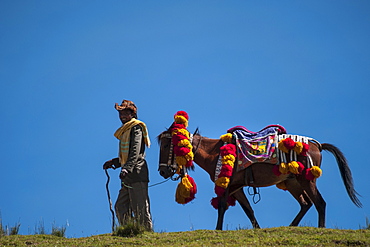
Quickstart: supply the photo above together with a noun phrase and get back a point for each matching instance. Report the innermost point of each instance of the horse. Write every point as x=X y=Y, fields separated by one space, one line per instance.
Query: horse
x=206 y=153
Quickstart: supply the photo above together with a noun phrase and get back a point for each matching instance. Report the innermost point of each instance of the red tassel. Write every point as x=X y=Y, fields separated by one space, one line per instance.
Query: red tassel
x=289 y=143
x=181 y=151
x=182 y=113
x=275 y=170
x=177 y=138
x=300 y=168
x=226 y=171
x=305 y=149
x=214 y=202
x=177 y=126
x=189 y=163
x=193 y=191
x=219 y=190
x=231 y=201
x=228 y=149
x=309 y=175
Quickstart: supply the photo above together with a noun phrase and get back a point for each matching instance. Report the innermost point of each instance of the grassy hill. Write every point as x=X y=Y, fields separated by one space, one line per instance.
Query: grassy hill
x=281 y=236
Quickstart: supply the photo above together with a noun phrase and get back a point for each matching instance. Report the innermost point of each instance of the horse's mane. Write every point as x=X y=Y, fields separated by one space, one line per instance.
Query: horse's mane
x=159 y=136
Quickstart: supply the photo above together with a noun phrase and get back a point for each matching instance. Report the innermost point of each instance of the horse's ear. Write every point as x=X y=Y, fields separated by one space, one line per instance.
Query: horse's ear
x=196 y=132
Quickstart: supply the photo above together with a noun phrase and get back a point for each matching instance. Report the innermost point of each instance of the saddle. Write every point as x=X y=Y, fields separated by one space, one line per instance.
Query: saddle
x=254 y=147
x=250 y=134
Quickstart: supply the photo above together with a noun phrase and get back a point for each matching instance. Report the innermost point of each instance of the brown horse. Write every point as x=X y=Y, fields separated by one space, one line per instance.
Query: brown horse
x=206 y=152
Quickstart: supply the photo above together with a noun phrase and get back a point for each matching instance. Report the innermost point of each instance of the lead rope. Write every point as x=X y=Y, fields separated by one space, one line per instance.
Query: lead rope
x=109 y=199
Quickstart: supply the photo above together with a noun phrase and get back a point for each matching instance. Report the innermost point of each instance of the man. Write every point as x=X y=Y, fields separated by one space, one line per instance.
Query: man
x=133 y=199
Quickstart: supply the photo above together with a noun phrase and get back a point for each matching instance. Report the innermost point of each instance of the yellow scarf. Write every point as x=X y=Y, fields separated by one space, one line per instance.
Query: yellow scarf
x=123 y=134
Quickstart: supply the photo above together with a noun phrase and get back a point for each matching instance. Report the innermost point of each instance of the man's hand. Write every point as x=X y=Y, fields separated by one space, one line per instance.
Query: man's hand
x=123 y=174
x=113 y=163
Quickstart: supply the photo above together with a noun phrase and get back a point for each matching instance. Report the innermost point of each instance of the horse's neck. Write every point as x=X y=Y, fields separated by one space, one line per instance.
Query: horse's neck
x=206 y=153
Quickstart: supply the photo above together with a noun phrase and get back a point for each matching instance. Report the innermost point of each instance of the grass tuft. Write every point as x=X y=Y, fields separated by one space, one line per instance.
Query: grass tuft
x=131 y=229
x=367 y=226
x=58 y=231
x=6 y=231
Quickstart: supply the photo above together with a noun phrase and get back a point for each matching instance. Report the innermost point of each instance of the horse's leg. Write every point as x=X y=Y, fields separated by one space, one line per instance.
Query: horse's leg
x=244 y=203
x=315 y=196
x=300 y=195
x=222 y=207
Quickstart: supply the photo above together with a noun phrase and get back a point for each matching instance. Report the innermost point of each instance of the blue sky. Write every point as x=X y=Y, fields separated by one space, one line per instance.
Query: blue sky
x=63 y=65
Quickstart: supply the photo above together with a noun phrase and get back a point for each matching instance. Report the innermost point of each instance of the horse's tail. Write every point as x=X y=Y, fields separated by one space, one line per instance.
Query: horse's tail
x=345 y=172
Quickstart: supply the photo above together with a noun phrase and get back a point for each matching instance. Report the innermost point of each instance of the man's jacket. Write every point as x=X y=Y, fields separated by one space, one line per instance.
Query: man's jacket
x=136 y=164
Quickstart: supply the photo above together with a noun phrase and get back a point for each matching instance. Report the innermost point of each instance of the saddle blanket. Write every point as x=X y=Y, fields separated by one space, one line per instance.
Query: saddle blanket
x=254 y=147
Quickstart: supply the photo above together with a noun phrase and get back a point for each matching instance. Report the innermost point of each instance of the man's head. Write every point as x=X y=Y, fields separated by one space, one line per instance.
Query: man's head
x=127 y=110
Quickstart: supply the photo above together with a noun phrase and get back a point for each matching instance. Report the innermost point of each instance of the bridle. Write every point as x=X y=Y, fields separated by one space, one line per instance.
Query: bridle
x=171 y=162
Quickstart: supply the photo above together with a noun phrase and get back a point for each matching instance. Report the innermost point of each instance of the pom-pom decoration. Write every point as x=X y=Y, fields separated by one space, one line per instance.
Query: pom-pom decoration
x=313 y=172
x=283 y=168
x=228 y=157
x=305 y=149
x=230 y=202
x=186 y=190
x=227 y=137
x=288 y=144
x=222 y=182
x=184 y=156
x=181 y=140
x=181 y=117
x=296 y=167
x=276 y=170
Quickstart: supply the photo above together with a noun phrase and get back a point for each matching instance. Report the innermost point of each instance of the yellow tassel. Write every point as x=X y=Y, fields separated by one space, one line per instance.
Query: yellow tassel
x=316 y=171
x=222 y=182
x=293 y=167
x=178 y=198
x=189 y=156
x=227 y=137
x=298 y=147
x=181 y=120
x=282 y=147
x=185 y=187
x=178 y=170
x=283 y=168
x=228 y=162
x=183 y=132
x=185 y=143
x=183 y=190
x=281 y=185
x=228 y=157
x=181 y=160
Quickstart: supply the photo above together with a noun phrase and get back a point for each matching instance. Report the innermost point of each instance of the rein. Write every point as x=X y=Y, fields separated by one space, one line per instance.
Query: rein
x=130 y=187
x=196 y=132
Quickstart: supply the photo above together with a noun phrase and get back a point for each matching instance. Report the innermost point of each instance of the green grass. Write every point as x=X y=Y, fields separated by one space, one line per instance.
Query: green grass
x=131 y=229
x=280 y=236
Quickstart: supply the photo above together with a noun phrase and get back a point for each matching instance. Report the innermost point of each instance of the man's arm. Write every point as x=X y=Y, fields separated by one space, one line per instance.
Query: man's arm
x=113 y=163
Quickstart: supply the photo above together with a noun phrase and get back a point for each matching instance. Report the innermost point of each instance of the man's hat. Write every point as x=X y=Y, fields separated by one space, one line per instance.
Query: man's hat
x=127 y=104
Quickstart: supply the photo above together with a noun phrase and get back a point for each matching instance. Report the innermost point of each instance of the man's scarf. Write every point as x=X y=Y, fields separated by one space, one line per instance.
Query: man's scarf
x=123 y=134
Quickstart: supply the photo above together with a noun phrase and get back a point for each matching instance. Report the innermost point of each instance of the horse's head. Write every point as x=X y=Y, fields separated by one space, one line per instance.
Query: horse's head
x=167 y=165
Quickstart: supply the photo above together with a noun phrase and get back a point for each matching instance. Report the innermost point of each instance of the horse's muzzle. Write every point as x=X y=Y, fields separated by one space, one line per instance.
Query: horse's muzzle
x=165 y=171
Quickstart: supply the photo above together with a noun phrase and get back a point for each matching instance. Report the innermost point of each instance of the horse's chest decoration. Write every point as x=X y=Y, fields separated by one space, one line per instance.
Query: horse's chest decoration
x=183 y=150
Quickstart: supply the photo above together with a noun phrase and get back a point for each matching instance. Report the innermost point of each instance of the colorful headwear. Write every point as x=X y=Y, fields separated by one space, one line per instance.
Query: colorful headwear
x=127 y=104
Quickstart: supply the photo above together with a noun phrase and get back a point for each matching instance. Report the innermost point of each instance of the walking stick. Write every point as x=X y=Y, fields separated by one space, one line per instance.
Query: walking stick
x=110 y=201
